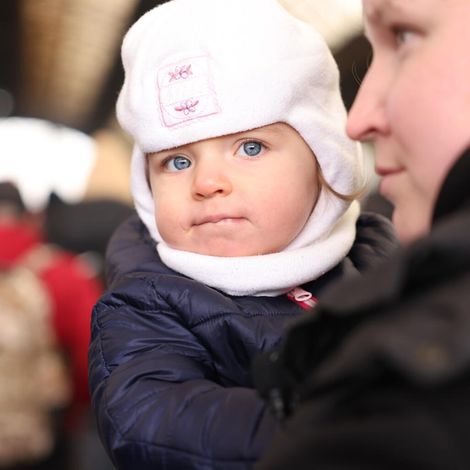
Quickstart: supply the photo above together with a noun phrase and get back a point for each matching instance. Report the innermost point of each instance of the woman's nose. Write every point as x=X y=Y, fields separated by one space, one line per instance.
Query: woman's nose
x=367 y=116
x=211 y=178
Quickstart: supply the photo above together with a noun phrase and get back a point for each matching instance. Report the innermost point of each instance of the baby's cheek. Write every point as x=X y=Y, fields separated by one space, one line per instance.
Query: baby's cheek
x=163 y=222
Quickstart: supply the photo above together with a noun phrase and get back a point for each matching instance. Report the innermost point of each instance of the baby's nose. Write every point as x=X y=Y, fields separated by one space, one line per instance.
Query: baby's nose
x=210 y=179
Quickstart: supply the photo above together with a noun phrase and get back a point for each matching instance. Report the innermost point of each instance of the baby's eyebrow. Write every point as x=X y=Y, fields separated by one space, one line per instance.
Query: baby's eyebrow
x=164 y=153
x=274 y=129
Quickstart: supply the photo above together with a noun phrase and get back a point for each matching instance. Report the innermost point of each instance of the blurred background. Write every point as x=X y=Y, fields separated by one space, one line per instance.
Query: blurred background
x=60 y=146
x=60 y=58
x=60 y=61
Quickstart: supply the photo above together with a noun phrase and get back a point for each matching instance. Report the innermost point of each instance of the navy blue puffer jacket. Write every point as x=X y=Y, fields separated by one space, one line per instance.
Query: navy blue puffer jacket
x=170 y=357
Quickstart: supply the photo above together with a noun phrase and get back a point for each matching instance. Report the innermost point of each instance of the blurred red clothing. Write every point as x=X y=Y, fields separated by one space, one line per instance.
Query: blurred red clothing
x=73 y=288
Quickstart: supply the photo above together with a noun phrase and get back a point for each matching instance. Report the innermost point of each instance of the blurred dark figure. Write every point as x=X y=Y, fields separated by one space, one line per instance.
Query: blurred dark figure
x=84 y=227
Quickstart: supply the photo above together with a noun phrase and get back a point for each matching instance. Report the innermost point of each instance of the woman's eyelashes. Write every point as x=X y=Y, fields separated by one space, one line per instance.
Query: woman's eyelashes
x=407 y=34
x=394 y=35
x=402 y=34
x=251 y=148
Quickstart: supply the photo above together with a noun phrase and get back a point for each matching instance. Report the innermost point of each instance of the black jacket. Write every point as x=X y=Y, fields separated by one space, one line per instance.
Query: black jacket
x=170 y=357
x=379 y=378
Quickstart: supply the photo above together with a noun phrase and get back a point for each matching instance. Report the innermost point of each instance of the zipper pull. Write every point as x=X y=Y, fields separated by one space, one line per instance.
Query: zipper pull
x=302 y=298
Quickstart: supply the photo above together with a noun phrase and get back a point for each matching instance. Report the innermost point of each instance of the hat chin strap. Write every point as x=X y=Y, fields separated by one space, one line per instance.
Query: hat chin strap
x=272 y=274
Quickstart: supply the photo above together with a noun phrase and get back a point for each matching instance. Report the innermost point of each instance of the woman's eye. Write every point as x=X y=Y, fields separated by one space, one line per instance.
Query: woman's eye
x=251 y=148
x=402 y=35
x=177 y=163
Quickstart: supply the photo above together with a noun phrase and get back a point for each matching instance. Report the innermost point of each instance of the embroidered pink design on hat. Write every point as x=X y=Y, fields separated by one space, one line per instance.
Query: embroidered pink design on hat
x=185 y=91
x=189 y=106
x=180 y=73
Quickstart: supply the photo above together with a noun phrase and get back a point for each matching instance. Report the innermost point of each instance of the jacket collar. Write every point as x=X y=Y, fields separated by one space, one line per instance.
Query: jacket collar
x=455 y=191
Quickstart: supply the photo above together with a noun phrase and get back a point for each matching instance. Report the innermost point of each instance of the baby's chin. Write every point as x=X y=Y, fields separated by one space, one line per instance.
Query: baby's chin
x=223 y=249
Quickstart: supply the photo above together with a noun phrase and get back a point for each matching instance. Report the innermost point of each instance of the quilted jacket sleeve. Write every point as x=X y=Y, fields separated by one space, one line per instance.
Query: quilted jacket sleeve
x=156 y=396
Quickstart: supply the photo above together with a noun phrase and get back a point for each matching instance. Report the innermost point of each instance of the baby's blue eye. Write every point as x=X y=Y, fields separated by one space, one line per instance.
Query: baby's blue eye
x=177 y=163
x=251 y=148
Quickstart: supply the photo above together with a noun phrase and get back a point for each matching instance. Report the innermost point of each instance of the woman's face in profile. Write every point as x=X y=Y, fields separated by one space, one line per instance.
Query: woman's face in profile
x=414 y=102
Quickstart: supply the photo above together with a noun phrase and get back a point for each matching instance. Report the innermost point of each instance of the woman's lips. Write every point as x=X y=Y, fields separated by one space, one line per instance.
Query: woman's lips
x=387 y=178
x=383 y=171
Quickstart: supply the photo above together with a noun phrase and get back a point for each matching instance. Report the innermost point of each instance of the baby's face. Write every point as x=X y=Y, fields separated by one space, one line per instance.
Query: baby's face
x=242 y=194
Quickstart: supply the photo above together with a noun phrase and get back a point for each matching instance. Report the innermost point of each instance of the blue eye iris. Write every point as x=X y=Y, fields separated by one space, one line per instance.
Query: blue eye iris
x=252 y=149
x=178 y=163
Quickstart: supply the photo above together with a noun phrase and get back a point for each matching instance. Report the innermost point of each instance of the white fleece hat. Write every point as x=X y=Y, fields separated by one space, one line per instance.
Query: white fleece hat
x=196 y=69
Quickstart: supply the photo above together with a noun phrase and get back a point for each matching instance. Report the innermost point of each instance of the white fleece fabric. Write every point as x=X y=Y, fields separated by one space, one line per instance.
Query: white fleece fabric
x=267 y=275
x=196 y=69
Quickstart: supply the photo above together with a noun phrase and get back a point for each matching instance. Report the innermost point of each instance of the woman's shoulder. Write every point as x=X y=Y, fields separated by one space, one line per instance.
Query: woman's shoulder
x=395 y=311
